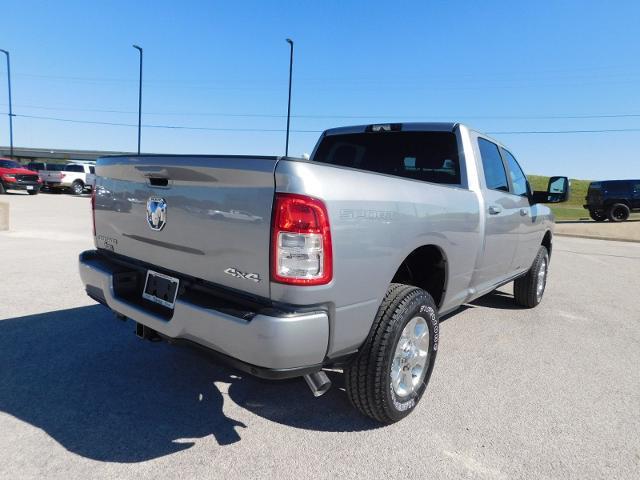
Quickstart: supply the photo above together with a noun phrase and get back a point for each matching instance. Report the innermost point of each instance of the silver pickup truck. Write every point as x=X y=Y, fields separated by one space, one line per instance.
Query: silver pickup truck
x=346 y=260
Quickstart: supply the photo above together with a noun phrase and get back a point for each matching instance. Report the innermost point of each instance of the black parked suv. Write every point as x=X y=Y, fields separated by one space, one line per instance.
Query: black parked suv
x=613 y=199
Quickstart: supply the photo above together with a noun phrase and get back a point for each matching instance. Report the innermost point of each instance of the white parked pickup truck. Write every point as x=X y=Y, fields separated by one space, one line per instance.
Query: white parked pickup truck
x=75 y=177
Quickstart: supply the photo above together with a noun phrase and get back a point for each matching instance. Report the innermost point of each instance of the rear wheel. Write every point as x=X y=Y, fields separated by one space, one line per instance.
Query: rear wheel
x=528 y=290
x=32 y=192
x=77 y=187
x=389 y=375
x=598 y=215
x=619 y=212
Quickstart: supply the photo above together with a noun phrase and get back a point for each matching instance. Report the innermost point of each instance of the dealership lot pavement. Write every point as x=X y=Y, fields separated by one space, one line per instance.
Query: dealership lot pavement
x=552 y=392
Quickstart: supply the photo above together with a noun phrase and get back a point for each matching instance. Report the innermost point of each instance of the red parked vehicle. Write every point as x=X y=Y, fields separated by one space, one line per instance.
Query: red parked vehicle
x=14 y=176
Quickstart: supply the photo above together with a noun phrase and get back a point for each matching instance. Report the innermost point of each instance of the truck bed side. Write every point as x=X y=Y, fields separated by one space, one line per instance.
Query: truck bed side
x=376 y=222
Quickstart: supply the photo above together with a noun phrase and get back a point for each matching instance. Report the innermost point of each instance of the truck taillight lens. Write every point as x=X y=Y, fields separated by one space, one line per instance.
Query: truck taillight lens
x=93 y=209
x=301 y=241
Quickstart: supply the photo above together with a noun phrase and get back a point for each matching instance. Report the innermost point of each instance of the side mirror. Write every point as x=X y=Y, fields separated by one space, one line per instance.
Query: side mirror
x=557 y=191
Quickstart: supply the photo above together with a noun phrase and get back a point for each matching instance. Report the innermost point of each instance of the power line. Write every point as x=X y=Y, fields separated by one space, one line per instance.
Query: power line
x=278 y=130
x=172 y=127
x=343 y=116
x=608 y=70
x=544 y=132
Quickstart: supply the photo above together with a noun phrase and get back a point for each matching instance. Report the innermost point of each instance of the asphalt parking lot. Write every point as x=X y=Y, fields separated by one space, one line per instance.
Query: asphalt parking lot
x=552 y=392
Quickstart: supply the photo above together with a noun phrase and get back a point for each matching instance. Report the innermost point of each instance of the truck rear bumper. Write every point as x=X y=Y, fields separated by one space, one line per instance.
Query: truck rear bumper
x=270 y=345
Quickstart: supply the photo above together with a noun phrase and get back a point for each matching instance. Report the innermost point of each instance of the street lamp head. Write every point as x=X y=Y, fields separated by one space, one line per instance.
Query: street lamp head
x=289 y=41
x=4 y=51
x=137 y=47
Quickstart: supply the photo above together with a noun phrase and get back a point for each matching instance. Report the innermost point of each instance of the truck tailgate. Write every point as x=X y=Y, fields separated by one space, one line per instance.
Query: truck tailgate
x=216 y=222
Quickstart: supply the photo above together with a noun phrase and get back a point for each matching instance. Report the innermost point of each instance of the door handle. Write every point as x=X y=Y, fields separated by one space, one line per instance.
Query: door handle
x=494 y=209
x=524 y=212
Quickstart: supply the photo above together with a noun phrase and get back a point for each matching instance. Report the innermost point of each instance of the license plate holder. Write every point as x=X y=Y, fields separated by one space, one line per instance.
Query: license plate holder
x=29 y=187
x=160 y=288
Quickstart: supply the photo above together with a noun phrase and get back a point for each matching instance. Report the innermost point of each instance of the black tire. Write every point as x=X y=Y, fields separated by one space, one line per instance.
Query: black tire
x=525 y=289
x=597 y=215
x=368 y=377
x=77 y=187
x=32 y=192
x=619 y=212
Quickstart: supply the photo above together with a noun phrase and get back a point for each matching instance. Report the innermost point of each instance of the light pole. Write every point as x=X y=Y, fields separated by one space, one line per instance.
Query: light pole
x=10 y=109
x=286 y=149
x=139 y=97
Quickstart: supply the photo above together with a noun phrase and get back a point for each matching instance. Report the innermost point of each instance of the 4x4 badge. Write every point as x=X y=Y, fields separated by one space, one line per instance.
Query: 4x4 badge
x=254 y=277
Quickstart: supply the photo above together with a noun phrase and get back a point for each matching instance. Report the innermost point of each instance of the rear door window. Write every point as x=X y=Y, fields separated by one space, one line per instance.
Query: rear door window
x=495 y=175
x=518 y=178
x=426 y=156
x=92 y=169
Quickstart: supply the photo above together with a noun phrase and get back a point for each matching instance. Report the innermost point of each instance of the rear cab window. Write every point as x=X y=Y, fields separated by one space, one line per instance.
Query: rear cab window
x=74 y=168
x=418 y=155
x=495 y=175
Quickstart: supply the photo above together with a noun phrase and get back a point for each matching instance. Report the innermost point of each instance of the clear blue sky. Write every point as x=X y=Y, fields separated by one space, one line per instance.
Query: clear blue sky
x=206 y=62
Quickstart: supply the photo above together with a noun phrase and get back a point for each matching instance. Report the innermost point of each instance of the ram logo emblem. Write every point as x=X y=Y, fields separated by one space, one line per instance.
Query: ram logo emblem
x=156 y=213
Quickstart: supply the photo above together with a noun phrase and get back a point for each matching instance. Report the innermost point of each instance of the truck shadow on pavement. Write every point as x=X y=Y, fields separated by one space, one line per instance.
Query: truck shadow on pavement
x=497 y=300
x=86 y=380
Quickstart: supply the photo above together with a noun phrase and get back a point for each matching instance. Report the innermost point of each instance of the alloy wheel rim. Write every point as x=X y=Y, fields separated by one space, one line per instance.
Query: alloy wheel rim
x=542 y=277
x=410 y=358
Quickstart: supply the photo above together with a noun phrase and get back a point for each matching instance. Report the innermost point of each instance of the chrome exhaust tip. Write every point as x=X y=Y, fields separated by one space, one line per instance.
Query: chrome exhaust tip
x=318 y=382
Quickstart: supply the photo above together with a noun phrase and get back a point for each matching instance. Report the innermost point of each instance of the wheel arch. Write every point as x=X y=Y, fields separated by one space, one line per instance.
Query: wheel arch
x=547 y=241
x=425 y=267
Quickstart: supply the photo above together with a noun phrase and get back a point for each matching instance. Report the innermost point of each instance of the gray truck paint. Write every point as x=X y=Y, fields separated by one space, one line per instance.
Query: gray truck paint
x=376 y=222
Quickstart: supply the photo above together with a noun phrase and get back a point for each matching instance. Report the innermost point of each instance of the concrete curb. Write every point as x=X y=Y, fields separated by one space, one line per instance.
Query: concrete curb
x=594 y=237
x=4 y=216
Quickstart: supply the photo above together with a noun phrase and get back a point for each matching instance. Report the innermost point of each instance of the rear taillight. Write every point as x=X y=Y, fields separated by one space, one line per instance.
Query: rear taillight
x=93 y=209
x=301 y=241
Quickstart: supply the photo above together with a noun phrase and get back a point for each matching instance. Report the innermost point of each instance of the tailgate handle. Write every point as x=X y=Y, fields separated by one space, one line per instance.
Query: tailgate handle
x=158 y=181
